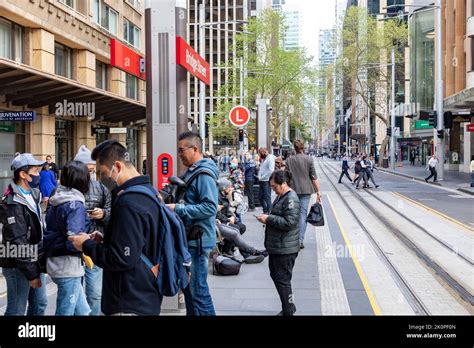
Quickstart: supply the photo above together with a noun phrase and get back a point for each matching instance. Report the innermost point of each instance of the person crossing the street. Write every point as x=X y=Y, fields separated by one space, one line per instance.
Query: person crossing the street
x=432 y=164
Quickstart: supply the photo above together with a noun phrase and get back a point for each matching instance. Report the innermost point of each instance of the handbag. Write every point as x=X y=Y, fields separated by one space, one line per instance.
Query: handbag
x=316 y=215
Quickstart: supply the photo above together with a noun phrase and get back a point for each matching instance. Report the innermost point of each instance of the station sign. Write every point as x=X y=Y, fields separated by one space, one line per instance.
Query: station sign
x=189 y=59
x=239 y=116
x=126 y=59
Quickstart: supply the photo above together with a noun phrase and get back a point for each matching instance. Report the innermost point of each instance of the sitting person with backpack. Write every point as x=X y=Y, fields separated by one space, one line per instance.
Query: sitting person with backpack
x=230 y=229
x=132 y=240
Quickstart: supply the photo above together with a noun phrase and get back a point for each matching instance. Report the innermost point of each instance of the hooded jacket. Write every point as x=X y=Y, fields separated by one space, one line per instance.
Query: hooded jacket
x=66 y=216
x=22 y=225
x=201 y=199
x=98 y=196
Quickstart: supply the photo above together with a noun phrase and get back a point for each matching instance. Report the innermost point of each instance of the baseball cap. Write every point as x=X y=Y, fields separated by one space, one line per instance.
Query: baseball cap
x=25 y=159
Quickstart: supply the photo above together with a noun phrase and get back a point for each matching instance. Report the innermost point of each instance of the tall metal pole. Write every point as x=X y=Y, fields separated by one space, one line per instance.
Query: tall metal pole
x=241 y=143
x=369 y=133
x=439 y=89
x=347 y=136
x=392 y=137
x=202 y=85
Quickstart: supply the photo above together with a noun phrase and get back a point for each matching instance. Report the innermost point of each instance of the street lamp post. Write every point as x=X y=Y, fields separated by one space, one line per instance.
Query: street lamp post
x=202 y=85
x=392 y=123
x=439 y=90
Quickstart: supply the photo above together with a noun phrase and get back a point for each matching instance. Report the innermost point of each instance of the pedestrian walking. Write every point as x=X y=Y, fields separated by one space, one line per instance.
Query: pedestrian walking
x=282 y=238
x=370 y=170
x=128 y=287
x=249 y=173
x=54 y=166
x=22 y=221
x=304 y=183
x=345 y=168
x=412 y=157
x=267 y=167
x=97 y=203
x=472 y=171
x=198 y=213
x=357 y=169
x=67 y=216
x=47 y=183
x=362 y=173
x=432 y=164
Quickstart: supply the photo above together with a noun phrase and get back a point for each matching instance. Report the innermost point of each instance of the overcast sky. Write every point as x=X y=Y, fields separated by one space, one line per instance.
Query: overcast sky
x=317 y=14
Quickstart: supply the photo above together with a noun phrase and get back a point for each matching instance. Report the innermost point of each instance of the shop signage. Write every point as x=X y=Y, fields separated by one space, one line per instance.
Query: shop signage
x=423 y=125
x=17 y=115
x=239 y=116
x=7 y=128
x=189 y=59
x=118 y=130
x=99 y=130
x=126 y=59
x=470 y=127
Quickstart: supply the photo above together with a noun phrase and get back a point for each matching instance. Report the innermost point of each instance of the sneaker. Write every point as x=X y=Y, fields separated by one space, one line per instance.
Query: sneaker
x=301 y=245
x=426 y=180
x=264 y=253
x=254 y=259
x=280 y=314
x=376 y=186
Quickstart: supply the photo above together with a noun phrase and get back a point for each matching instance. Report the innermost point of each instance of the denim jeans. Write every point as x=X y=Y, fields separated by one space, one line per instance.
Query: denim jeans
x=93 y=287
x=197 y=296
x=265 y=196
x=71 y=299
x=304 y=203
x=19 y=294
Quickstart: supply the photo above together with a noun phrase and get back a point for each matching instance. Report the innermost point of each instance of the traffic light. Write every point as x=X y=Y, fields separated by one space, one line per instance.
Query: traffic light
x=440 y=133
x=433 y=119
x=241 y=135
x=389 y=131
x=448 y=120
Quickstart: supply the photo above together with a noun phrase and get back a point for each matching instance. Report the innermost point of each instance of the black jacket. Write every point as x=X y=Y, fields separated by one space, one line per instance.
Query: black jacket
x=98 y=196
x=21 y=226
x=282 y=228
x=128 y=285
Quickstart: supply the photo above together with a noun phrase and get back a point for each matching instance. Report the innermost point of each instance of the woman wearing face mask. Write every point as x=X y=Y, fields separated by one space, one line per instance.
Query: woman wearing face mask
x=20 y=215
x=282 y=237
x=67 y=216
x=97 y=202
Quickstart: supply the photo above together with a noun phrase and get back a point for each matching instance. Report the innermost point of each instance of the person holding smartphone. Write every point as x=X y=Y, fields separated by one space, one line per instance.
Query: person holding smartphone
x=97 y=202
x=282 y=237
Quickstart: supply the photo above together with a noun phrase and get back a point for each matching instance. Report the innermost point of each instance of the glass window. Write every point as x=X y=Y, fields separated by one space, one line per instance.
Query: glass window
x=63 y=60
x=64 y=141
x=11 y=41
x=70 y=3
x=105 y=16
x=101 y=75
x=131 y=86
x=135 y=3
x=131 y=33
x=96 y=11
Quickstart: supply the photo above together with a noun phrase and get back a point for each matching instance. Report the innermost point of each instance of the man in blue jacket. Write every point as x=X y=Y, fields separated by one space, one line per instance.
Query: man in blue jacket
x=249 y=179
x=199 y=211
x=345 y=168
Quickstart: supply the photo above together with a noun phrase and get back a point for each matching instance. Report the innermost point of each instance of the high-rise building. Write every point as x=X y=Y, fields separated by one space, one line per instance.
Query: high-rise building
x=57 y=54
x=292 y=38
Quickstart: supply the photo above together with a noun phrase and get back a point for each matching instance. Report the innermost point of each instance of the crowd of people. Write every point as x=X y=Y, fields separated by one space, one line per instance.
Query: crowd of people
x=95 y=228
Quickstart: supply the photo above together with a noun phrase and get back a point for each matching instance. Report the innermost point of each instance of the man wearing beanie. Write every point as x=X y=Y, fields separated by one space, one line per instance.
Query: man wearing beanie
x=98 y=201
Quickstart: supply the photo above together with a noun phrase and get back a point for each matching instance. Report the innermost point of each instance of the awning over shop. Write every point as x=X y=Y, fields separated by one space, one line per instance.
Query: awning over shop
x=22 y=85
x=286 y=144
x=460 y=100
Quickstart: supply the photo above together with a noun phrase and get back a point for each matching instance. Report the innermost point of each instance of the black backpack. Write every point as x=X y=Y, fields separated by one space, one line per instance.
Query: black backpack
x=223 y=265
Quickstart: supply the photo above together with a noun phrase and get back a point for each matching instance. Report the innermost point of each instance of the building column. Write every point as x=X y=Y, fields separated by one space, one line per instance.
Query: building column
x=117 y=82
x=42 y=135
x=86 y=67
x=459 y=53
x=450 y=48
x=43 y=50
x=83 y=135
x=122 y=138
x=142 y=153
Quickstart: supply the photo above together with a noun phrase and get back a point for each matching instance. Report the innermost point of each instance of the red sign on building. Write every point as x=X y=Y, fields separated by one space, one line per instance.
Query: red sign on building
x=470 y=127
x=125 y=59
x=189 y=59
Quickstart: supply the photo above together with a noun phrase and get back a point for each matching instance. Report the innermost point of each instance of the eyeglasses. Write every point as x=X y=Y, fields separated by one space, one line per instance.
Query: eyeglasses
x=181 y=150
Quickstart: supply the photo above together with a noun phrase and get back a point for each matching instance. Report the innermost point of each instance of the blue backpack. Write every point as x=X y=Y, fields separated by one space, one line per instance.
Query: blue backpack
x=173 y=259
